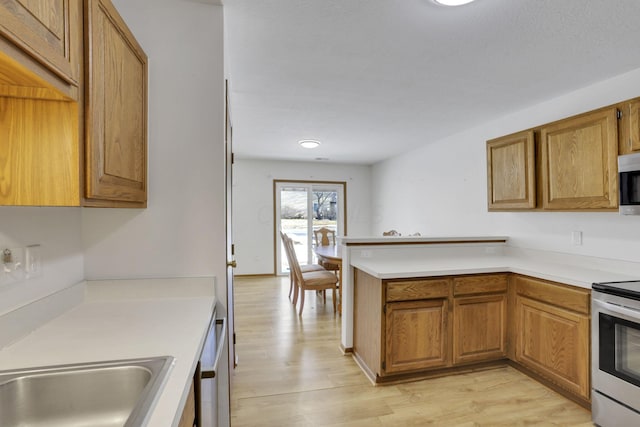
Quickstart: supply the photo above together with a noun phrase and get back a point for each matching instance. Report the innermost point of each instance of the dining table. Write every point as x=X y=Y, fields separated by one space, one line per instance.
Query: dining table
x=332 y=254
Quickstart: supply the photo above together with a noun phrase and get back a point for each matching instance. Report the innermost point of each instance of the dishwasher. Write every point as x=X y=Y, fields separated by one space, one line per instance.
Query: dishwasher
x=208 y=388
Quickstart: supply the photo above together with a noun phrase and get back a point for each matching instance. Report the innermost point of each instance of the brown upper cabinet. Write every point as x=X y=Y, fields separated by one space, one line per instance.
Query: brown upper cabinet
x=579 y=162
x=74 y=97
x=566 y=165
x=45 y=30
x=116 y=126
x=511 y=172
x=630 y=129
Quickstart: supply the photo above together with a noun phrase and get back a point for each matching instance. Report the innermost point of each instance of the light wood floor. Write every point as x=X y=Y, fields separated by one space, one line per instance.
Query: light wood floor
x=291 y=373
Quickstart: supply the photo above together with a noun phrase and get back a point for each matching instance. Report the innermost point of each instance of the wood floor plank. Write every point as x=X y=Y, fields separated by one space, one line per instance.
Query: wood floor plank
x=292 y=373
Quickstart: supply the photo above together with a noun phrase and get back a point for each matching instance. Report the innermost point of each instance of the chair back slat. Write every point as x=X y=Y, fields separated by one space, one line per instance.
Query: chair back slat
x=294 y=265
x=325 y=237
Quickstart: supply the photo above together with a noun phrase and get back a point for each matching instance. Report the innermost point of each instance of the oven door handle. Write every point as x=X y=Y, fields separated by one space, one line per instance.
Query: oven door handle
x=628 y=313
x=210 y=371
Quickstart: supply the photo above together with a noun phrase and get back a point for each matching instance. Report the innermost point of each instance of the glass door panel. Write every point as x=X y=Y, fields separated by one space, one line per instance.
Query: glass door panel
x=301 y=208
x=325 y=211
x=294 y=221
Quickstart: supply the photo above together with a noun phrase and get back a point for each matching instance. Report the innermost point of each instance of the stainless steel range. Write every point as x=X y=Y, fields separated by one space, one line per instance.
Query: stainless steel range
x=615 y=354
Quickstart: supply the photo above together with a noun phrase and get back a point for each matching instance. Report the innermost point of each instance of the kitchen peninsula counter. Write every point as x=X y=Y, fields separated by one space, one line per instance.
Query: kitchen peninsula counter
x=416 y=256
x=436 y=307
x=127 y=319
x=449 y=266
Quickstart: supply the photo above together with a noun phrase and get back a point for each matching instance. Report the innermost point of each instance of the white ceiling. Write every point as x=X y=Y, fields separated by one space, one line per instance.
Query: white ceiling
x=373 y=78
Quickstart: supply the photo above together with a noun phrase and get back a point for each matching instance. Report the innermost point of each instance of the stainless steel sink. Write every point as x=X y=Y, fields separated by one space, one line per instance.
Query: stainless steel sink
x=103 y=394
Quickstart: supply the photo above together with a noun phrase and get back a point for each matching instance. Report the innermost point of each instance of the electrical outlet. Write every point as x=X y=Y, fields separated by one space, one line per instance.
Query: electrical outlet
x=576 y=238
x=32 y=261
x=365 y=253
x=11 y=265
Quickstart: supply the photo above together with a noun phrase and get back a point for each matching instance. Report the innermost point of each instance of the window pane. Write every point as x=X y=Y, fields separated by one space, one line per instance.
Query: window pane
x=325 y=211
x=293 y=222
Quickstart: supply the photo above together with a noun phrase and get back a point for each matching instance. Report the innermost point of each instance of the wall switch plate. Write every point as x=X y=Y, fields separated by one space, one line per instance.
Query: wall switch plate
x=576 y=238
x=32 y=261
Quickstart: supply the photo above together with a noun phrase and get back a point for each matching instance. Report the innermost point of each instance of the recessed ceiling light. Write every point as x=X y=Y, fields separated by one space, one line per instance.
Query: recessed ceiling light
x=452 y=2
x=309 y=143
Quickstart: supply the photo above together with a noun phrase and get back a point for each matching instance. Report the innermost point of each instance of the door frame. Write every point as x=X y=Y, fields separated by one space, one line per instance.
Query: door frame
x=276 y=233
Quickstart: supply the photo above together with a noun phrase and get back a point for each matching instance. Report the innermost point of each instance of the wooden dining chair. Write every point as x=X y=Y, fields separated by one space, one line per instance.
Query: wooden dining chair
x=321 y=280
x=305 y=268
x=326 y=237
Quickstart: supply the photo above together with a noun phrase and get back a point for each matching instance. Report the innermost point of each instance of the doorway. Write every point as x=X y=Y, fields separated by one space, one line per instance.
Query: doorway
x=300 y=208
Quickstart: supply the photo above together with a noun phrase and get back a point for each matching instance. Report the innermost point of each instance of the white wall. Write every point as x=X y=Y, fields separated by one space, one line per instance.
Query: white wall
x=253 y=220
x=181 y=233
x=440 y=189
x=57 y=230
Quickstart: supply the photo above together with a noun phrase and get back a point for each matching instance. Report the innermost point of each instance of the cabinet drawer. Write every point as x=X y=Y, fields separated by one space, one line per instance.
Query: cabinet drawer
x=480 y=284
x=576 y=299
x=408 y=290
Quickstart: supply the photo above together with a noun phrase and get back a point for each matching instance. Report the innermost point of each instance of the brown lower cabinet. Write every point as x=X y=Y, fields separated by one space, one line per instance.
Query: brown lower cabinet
x=552 y=333
x=416 y=335
x=188 y=418
x=409 y=328
x=479 y=328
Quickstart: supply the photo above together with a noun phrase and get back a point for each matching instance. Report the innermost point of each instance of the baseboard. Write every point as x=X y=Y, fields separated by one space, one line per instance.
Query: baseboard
x=346 y=351
x=254 y=276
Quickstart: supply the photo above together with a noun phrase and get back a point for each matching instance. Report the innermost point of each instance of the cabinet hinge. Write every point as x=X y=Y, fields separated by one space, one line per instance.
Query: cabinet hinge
x=384 y=309
x=233 y=249
x=384 y=365
x=234 y=338
x=618 y=114
x=233 y=158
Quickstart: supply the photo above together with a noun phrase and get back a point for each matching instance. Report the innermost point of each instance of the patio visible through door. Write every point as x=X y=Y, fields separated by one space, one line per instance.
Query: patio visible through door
x=302 y=207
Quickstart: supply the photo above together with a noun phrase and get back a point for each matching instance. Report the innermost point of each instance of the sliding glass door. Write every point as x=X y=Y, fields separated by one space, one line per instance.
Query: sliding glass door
x=302 y=207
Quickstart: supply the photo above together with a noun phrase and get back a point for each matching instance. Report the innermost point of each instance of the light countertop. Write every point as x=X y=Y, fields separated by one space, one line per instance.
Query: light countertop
x=399 y=240
x=125 y=319
x=449 y=265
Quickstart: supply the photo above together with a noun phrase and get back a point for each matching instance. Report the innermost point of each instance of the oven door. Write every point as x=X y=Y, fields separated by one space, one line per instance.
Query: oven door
x=616 y=349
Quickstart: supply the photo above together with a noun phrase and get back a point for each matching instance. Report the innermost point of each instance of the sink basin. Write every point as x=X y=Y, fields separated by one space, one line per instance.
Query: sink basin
x=102 y=394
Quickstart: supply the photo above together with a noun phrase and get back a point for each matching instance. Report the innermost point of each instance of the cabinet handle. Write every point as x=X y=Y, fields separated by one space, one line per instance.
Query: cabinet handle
x=210 y=372
x=628 y=313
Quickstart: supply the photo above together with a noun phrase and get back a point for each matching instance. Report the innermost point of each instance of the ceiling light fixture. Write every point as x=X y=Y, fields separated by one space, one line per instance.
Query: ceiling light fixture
x=452 y=2
x=309 y=143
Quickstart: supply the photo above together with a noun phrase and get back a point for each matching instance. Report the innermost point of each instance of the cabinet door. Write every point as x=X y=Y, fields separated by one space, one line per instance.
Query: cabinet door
x=116 y=142
x=579 y=162
x=479 y=328
x=634 y=126
x=44 y=29
x=187 y=419
x=554 y=342
x=416 y=335
x=511 y=182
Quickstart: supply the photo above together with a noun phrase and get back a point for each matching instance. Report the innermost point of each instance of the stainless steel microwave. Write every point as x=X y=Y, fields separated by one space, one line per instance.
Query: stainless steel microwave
x=629 y=181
